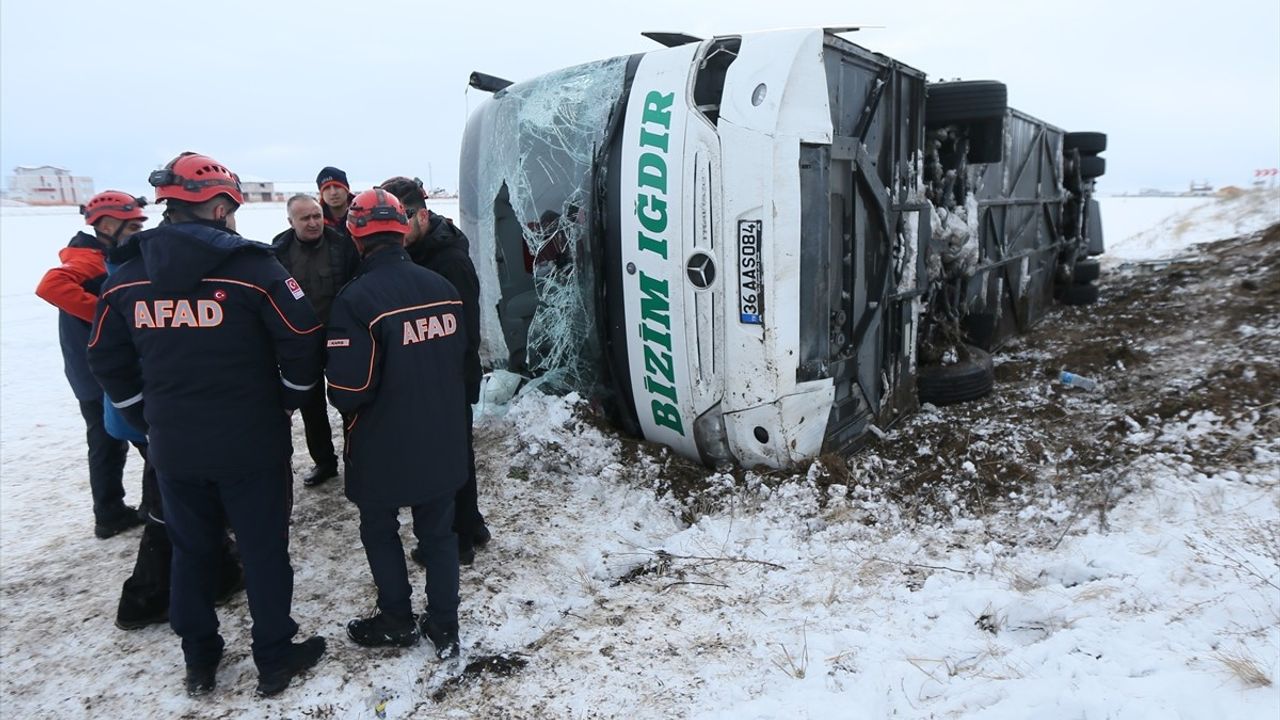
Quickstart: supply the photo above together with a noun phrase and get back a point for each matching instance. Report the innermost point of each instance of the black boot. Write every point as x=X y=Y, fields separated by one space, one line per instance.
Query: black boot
x=116 y=521
x=202 y=679
x=144 y=599
x=321 y=474
x=481 y=536
x=443 y=635
x=302 y=656
x=135 y=613
x=383 y=630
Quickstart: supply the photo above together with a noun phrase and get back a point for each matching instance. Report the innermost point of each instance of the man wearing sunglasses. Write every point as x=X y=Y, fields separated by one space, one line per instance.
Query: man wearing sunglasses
x=73 y=288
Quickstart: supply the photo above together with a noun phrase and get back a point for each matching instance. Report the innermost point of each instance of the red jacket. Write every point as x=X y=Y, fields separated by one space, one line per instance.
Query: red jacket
x=73 y=288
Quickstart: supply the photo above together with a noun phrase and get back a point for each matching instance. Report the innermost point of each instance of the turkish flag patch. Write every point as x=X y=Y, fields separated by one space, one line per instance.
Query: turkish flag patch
x=294 y=288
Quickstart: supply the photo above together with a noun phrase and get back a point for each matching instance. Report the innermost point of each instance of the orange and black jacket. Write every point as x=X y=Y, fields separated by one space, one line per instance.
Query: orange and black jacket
x=73 y=288
x=396 y=344
x=204 y=340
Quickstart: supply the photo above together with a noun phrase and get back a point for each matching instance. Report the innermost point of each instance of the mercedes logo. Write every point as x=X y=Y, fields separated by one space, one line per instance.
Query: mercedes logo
x=701 y=270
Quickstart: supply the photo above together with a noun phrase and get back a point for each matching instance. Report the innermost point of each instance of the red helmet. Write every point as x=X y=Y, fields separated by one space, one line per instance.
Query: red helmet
x=113 y=204
x=195 y=178
x=376 y=211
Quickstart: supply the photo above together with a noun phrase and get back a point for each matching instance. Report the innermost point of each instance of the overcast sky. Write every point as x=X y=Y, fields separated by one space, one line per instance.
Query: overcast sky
x=1185 y=90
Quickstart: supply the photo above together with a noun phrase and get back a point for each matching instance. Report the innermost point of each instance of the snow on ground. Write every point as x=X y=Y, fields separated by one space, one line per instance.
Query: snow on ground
x=622 y=583
x=1148 y=228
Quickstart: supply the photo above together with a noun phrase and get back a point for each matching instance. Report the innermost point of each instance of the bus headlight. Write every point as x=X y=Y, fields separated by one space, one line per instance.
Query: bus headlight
x=712 y=440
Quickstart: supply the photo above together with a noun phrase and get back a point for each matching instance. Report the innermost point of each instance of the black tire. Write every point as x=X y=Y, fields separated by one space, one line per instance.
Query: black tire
x=963 y=102
x=968 y=379
x=1087 y=271
x=1078 y=294
x=1092 y=166
x=980 y=329
x=1088 y=143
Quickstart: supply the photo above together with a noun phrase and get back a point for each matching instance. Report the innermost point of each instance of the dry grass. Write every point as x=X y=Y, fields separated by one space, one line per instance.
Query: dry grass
x=1252 y=554
x=1245 y=668
x=795 y=666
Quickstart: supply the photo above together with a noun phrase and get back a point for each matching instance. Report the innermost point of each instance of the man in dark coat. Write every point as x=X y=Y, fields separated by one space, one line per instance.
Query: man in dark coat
x=322 y=260
x=144 y=596
x=203 y=341
x=434 y=242
x=396 y=348
x=73 y=288
x=335 y=197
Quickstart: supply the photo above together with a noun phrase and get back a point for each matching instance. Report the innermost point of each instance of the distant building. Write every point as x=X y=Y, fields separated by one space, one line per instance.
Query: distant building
x=1202 y=189
x=286 y=189
x=257 y=191
x=48 y=185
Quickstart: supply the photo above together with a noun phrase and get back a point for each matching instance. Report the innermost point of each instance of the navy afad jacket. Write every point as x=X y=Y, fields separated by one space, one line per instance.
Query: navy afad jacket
x=397 y=342
x=207 y=335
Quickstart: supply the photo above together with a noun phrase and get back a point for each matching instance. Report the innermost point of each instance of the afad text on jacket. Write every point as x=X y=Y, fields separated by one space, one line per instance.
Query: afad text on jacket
x=207 y=334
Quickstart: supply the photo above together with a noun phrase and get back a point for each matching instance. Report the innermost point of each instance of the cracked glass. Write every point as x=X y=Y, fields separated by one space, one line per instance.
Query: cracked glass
x=528 y=178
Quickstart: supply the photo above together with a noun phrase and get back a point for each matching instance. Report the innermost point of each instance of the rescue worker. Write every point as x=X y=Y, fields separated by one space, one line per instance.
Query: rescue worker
x=335 y=197
x=73 y=288
x=204 y=342
x=144 y=597
x=397 y=342
x=435 y=243
x=322 y=260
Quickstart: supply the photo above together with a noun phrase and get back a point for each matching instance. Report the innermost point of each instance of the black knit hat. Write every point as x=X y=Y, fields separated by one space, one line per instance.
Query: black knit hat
x=332 y=175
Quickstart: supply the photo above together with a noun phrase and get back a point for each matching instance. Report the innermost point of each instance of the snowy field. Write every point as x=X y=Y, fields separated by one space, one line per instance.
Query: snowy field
x=609 y=593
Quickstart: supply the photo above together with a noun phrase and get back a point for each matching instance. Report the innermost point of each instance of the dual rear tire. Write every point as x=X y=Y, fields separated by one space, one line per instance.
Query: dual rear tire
x=969 y=378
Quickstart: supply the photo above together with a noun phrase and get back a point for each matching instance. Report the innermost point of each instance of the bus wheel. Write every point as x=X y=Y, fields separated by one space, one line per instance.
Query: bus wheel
x=1087 y=271
x=1088 y=143
x=970 y=378
x=1078 y=294
x=1092 y=166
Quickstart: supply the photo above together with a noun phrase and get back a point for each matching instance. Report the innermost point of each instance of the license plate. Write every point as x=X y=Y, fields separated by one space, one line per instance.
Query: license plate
x=750 y=273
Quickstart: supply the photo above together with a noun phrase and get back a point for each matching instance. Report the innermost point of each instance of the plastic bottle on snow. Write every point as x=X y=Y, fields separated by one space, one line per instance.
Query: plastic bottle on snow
x=1071 y=379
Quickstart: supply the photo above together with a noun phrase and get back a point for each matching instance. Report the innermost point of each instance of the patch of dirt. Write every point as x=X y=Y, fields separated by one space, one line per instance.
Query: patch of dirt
x=1169 y=344
x=500 y=665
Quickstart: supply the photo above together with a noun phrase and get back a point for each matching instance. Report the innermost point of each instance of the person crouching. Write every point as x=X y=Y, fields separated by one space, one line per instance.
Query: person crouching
x=396 y=348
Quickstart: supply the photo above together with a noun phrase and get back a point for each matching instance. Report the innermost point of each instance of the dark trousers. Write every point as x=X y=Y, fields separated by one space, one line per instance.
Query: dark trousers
x=256 y=503
x=315 y=423
x=380 y=533
x=150 y=578
x=149 y=583
x=150 y=506
x=467 y=517
x=148 y=586
x=106 y=462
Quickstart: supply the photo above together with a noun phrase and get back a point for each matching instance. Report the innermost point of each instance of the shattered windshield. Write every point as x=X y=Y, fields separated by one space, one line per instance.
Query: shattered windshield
x=526 y=201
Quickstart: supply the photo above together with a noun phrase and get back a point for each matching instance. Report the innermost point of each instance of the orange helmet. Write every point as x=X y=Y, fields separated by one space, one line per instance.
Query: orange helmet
x=376 y=211
x=195 y=178
x=113 y=204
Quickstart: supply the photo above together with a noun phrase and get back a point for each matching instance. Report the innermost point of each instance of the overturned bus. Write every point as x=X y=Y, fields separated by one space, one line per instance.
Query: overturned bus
x=759 y=248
